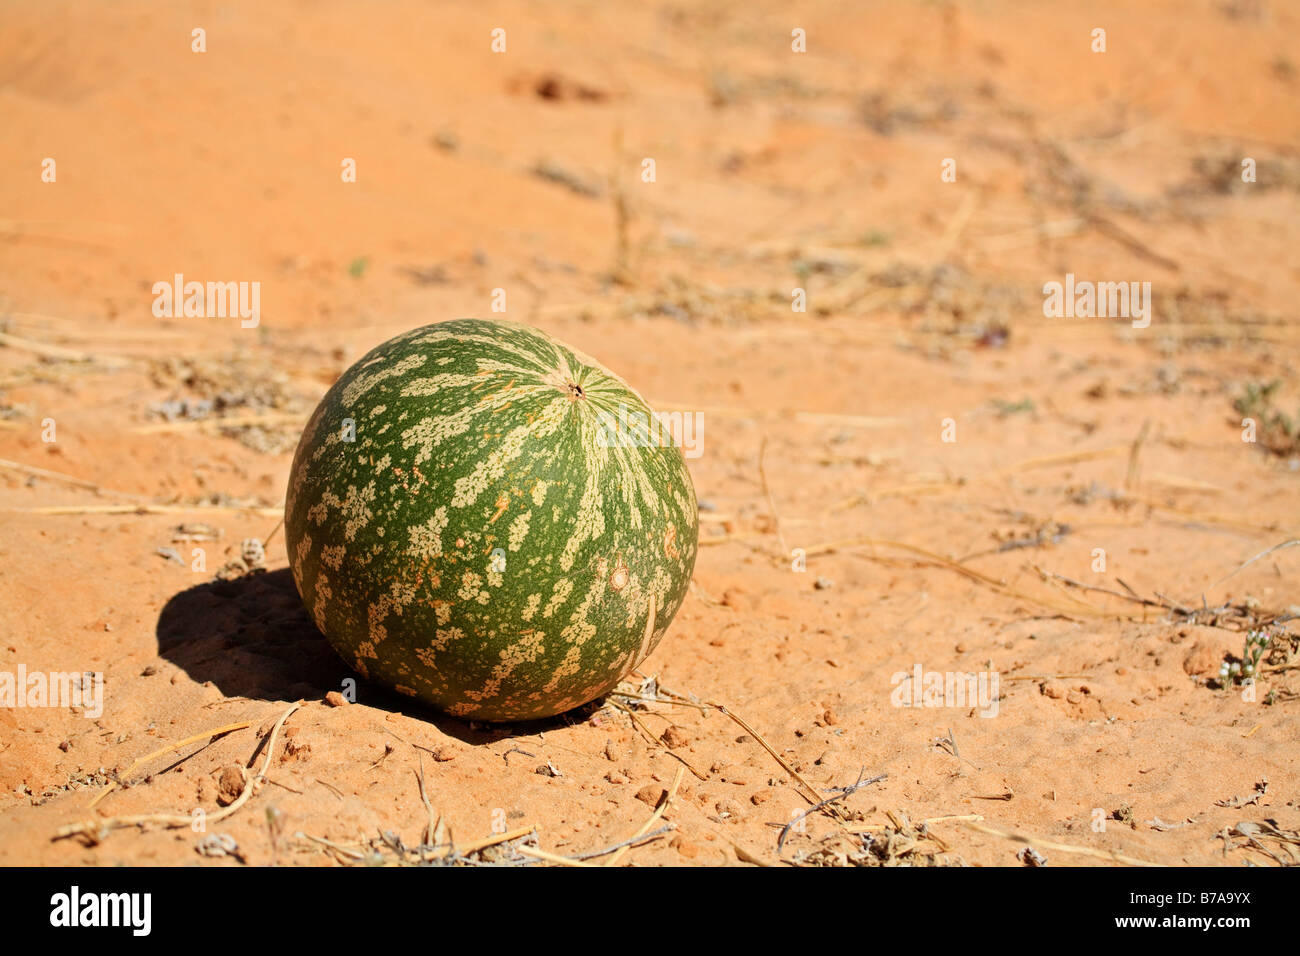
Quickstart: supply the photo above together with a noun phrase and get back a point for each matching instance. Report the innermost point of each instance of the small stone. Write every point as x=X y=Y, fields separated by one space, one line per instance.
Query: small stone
x=230 y=784
x=1031 y=857
x=615 y=777
x=823 y=584
x=335 y=699
x=252 y=553
x=1053 y=690
x=610 y=753
x=760 y=798
x=650 y=794
x=218 y=844
x=149 y=671
x=675 y=737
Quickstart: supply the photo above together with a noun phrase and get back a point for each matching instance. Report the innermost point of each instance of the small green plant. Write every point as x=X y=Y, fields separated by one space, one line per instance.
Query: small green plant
x=1252 y=652
x=357 y=267
x=1005 y=408
x=1277 y=431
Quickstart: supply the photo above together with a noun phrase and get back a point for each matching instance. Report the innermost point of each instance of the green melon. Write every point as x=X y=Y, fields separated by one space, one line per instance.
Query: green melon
x=465 y=527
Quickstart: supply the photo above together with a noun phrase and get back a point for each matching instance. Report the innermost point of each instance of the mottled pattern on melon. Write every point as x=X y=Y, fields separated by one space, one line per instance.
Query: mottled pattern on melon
x=477 y=546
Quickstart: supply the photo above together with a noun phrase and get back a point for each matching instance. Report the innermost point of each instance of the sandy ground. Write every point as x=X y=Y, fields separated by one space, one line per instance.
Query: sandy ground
x=824 y=430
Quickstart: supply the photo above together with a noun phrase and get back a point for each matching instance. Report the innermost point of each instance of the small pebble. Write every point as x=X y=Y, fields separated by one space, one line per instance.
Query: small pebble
x=650 y=794
x=675 y=737
x=230 y=784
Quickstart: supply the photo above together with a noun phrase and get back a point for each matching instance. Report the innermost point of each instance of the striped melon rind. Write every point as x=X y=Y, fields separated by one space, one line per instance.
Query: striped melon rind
x=477 y=545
